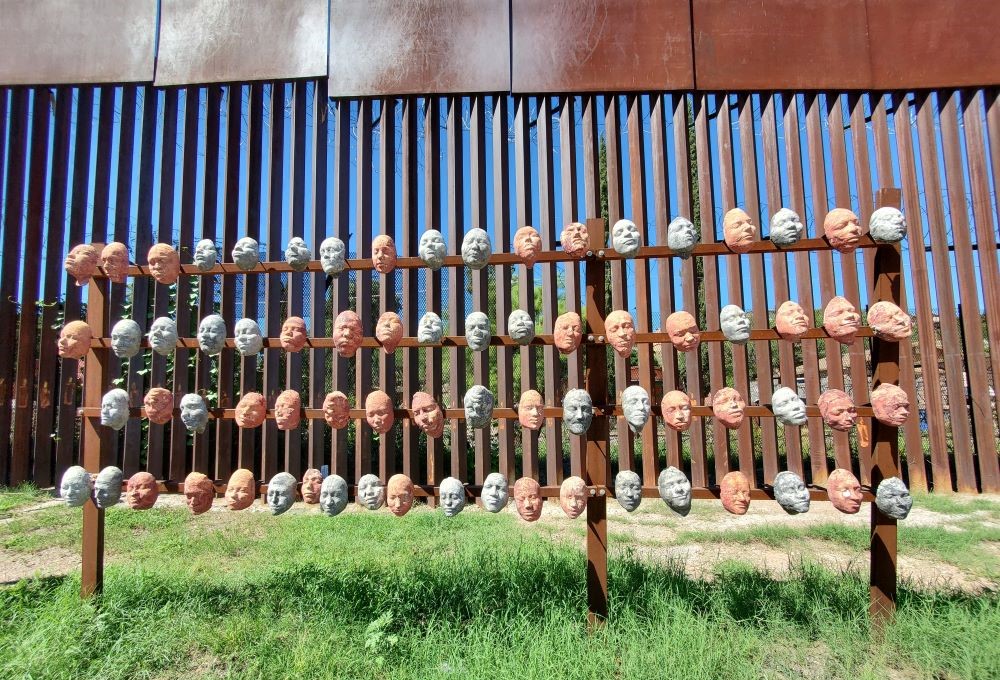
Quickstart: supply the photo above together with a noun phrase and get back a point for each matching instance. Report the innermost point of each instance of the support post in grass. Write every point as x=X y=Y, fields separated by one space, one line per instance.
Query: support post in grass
x=885 y=439
x=95 y=439
x=596 y=464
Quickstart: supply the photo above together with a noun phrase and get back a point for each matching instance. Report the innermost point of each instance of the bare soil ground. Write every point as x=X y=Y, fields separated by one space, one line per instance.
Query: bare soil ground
x=697 y=542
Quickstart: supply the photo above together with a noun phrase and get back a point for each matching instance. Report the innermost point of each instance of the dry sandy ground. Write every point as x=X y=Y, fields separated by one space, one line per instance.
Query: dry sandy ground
x=651 y=533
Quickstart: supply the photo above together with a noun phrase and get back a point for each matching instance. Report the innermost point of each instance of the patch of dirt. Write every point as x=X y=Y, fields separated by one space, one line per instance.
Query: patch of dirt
x=46 y=562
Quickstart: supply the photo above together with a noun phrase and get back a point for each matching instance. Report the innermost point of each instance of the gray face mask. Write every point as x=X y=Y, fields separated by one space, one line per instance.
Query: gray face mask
x=331 y=256
x=625 y=238
x=786 y=228
x=887 y=225
x=114 y=409
x=212 y=334
x=194 y=412
x=163 y=335
x=246 y=253
x=476 y=248
x=477 y=331
x=478 y=404
x=371 y=492
x=248 y=338
x=126 y=338
x=628 y=490
x=521 y=327
x=675 y=490
x=281 y=493
x=333 y=495
x=893 y=498
x=205 y=255
x=429 y=329
x=735 y=324
x=791 y=493
x=108 y=487
x=75 y=486
x=432 y=249
x=297 y=254
x=495 y=492
x=452 y=496
x=578 y=411
x=636 y=406
x=682 y=236
x=788 y=407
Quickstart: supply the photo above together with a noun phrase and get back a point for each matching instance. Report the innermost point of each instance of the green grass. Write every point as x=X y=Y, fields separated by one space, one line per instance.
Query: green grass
x=956 y=504
x=306 y=596
x=19 y=496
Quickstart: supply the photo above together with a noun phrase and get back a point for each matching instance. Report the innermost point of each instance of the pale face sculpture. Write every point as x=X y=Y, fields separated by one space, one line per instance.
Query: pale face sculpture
x=578 y=411
x=336 y=410
x=625 y=238
x=620 y=331
x=735 y=324
x=427 y=414
x=378 y=411
x=495 y=492
x=288 y=410
x=347 y=333
x=246 y=253
x=429 y=329
x=199 y=492
x=675 y=490
x=194 y=412
x=241 y=491
x=788 y=406
x=81 y=263
x=399 y=495
x=478 y=404
x=76 y=486
x=573 y=496
x=163 y=335
x=887 y=225
x=682 y=237
x=389 y=331
x=683 y=330
x=333 y=495
x=739 y=230
x=628 y=490
x=476 y=248
x=844 y=491
x=74 y=340
x=108 y=487
x=575 y=240
x=728 y=406
x=521 y=327
x=280 y=493
x=114 y=408
x=248 y=338
x=371 y=492
x=890 y=404
x=331 y=256
x=159 y=404
x=294 y=335
x=893 y=498
x=735 y=493
x=297 y=254
x=141 y=491
x=312 y=482
x=842 y=229
x=205 y=254
x=432 y=249
x=114 y=260
x=477 y=331
x=164 y=263
x=791 y=321
x=530 y=410
x=841 y=320
x=126 y=337
x=452 y=493
x=567 y=332
x=384 y=254
x=889 y=322
x=636 y=406
x=676 y=409
x=251 y=410
x=528 y=499
x=791 y=493
x=838 y=410
x=527 y=244
x=212 y=334
x=786 y=227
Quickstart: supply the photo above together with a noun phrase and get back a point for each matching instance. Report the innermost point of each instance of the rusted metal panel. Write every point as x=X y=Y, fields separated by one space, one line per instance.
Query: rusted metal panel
x=780 y=44
x=948 y=44
x=601 y=45
x=386 y=47
x=213 y=41
x=77 y=41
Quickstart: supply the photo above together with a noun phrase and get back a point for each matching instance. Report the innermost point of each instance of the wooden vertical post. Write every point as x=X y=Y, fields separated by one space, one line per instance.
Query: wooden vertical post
x=596 y=464
x=95 y=439
x=885 y=443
